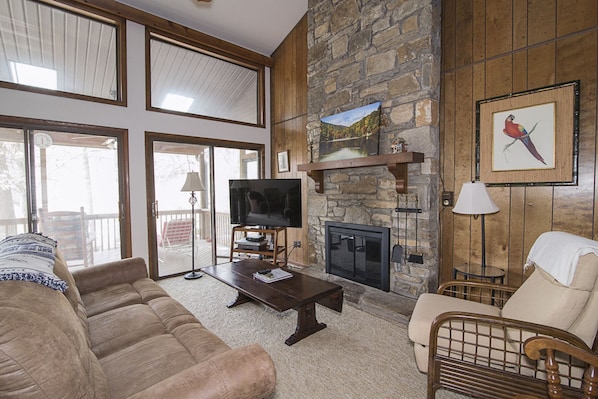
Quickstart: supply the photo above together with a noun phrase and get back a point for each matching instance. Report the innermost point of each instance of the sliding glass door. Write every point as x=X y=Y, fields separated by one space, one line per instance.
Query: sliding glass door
x=178 y=233
x=68 y=186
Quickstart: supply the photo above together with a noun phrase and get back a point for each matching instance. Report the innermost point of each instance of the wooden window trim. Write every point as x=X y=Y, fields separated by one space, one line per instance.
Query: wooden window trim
x=102 y=16
x=182 y=32
x=191 y=45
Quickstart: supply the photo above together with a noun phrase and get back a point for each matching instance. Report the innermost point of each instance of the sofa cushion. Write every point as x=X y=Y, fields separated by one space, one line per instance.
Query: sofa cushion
x=119 y=328
x=171 y=313
x=120 y=295
x=142 y=365
x=148 y=289
x=71 y=293
x=200 y=342
x=46 y=329
x=98 y=277
x=241 y=373
x=62 y=272
x=109 y=298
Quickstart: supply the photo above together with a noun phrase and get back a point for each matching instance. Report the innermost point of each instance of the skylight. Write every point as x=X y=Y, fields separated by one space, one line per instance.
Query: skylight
x=31 y=75
x=177 y=102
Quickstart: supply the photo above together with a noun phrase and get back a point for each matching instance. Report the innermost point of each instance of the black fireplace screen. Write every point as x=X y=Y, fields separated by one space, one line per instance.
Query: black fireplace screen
x=359 y=253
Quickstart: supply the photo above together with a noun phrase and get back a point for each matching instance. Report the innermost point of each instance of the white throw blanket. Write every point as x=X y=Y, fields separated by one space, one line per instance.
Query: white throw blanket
x=557 y=253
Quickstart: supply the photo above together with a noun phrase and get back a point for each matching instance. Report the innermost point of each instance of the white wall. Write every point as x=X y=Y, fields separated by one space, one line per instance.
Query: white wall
x=136 y=119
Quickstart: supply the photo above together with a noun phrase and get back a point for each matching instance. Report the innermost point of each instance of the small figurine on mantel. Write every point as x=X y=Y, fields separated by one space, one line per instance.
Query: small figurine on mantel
x=399 y=145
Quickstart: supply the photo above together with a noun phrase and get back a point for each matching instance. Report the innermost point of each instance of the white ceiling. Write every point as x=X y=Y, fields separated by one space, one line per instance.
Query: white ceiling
x=258 y=25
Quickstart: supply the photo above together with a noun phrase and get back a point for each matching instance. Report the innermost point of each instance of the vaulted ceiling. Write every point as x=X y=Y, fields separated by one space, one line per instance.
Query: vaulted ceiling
x=258 y=25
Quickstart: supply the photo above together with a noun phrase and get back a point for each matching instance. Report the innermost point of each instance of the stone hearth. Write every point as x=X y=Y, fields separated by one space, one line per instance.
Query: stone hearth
x=386 y=305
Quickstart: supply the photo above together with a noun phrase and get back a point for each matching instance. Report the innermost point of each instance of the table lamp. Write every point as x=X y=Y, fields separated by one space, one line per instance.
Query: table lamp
x=193 y=184
x=475 y=200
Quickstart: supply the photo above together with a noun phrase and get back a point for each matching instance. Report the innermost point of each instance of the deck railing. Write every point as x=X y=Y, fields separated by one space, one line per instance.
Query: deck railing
x=105 y=228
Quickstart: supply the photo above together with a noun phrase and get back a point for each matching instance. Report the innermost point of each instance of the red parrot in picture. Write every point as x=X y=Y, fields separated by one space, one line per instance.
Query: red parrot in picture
x=518 y=132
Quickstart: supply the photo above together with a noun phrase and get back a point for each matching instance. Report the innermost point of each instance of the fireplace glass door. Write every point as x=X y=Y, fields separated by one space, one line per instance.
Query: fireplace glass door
x=358 y=253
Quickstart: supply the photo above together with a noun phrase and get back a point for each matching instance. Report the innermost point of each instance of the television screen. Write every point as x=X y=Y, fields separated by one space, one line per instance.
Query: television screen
x=265 y=202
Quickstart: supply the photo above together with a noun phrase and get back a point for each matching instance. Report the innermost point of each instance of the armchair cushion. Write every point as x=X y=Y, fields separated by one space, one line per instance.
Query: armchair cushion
x=429 y=306
x=543 y=300
x=586 y=325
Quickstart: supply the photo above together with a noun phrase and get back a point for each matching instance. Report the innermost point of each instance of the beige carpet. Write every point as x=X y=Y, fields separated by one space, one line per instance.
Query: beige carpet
x=357 y=356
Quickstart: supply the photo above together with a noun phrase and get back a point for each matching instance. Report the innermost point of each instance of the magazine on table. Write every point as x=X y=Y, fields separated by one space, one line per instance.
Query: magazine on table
x=272 y=275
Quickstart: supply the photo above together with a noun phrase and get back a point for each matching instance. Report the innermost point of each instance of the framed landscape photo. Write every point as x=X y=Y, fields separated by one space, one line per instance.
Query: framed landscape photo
x=283 y=161
x=350 y=134
x=529 y=138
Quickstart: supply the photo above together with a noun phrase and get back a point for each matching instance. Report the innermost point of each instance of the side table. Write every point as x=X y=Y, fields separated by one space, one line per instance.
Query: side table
x=493 y=274
x=489 y=273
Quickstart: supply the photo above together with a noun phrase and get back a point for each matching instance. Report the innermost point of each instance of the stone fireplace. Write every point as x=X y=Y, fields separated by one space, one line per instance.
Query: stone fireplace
x=360 y=52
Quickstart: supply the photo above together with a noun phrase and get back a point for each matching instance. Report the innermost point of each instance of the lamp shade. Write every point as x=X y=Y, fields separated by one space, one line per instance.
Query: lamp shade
x=193 y=183
x=475 y=200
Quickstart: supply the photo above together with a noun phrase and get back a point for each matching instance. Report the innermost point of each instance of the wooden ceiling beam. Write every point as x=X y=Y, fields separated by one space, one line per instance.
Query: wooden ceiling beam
x=211 y=43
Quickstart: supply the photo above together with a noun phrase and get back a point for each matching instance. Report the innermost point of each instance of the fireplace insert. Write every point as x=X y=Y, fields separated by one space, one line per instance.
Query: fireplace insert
x=359 y=253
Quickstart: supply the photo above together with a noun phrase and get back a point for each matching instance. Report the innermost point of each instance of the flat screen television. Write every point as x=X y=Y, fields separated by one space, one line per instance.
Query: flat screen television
x=265 y=202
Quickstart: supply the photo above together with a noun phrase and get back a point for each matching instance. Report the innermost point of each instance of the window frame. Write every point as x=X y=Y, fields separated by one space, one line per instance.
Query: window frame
x=193 y=45
x=28 y=124
x=150 y=138
x=100 y=16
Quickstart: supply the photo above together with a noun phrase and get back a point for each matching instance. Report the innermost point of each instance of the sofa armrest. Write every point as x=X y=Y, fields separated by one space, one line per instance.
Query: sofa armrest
x=120 y=271
x=242 y=373
x=492 y=349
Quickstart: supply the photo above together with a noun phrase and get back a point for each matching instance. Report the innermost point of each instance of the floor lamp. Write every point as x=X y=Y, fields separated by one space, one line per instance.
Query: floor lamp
x=475 y=200
x=193 y=184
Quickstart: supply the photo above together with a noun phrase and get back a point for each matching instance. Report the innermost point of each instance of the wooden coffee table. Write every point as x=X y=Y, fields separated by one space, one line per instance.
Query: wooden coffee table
x=300 y=292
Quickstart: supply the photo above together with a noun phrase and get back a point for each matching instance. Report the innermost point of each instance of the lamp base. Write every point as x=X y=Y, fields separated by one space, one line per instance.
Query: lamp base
x=193 y=275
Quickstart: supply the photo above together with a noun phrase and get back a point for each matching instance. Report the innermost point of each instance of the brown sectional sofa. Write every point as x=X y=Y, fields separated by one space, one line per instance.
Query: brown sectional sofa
x=115 y=333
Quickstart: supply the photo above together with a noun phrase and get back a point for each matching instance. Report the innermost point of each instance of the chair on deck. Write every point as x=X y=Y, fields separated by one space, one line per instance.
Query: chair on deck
x=70 y=229
x=175 y=234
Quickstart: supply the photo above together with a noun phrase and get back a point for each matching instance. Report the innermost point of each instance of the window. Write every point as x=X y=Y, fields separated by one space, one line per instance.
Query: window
x=184 y=78
x=71 y=51
x=170 y=158
x=67 y=182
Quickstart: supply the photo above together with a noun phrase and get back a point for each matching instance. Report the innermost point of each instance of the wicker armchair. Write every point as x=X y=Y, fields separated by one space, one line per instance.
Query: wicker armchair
x=469 y=336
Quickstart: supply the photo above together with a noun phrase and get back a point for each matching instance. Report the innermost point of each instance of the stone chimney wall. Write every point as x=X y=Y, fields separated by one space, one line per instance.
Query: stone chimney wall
x=361 y=52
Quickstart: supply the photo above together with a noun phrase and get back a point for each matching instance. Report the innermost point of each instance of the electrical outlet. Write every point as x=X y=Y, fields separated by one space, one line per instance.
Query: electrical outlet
x=297 y=244
x=447 y=198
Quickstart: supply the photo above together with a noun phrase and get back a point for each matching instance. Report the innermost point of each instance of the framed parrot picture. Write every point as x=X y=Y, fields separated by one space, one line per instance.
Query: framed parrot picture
x=529 y=138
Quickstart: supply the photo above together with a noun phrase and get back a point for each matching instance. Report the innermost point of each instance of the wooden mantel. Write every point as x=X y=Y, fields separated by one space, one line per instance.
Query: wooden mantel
x=396 y=163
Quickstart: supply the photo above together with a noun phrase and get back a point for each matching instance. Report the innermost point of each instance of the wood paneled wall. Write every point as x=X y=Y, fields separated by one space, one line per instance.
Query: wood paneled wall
x=492 y=48
x=289 y=119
